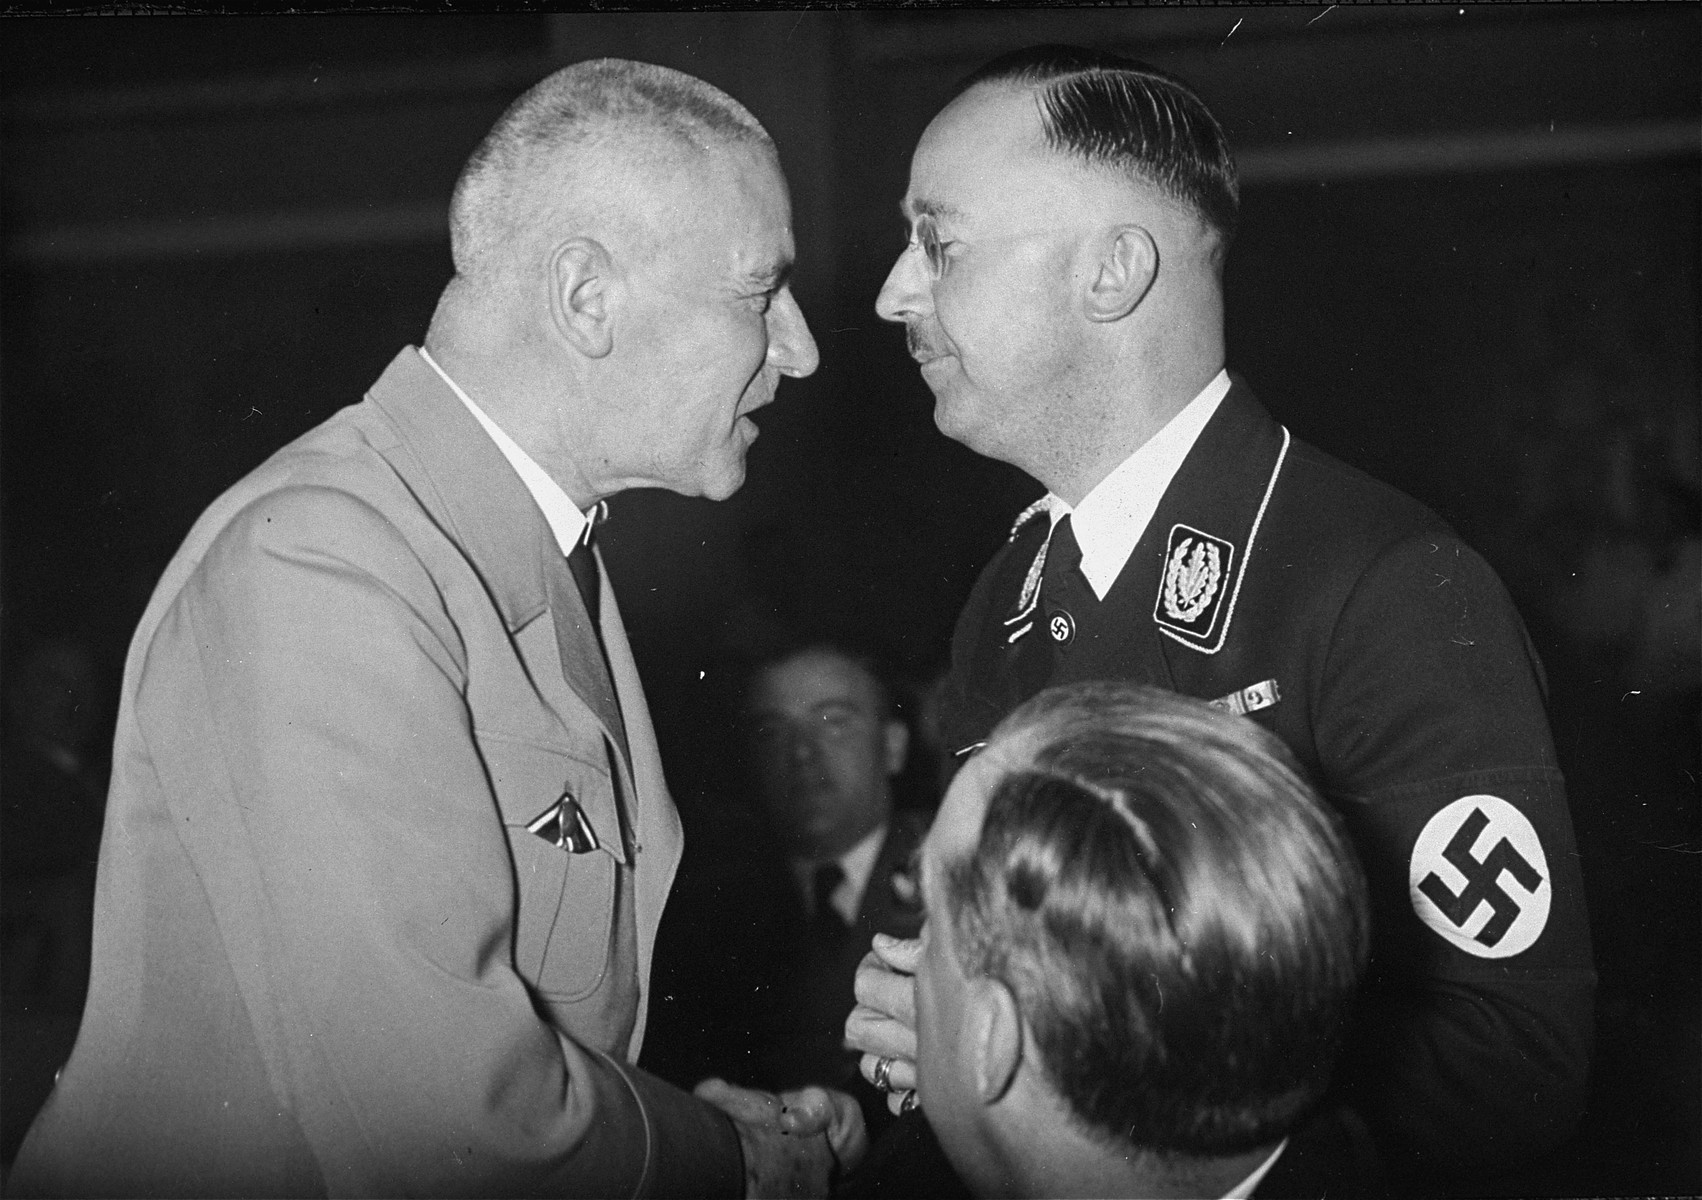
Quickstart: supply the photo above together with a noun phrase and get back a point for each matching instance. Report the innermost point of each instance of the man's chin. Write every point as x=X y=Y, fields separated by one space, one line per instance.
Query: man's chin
x=982 y=437
x=952 y=418
x=729 y=474
x=939 y=374
x=724 y=489
x=726 y=478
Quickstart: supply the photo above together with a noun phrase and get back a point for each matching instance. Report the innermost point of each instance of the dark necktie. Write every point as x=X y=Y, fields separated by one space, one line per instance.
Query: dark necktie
x=823 y=883
x=1061 y=580
x=1064 y=597
x=1064 y=591
x=583 y=563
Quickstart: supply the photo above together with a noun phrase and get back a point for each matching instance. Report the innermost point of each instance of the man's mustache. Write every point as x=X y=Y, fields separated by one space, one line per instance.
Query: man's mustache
x=921 y=347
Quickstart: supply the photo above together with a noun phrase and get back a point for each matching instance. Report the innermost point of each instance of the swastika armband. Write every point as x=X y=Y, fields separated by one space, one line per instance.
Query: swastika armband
x=1479 y=878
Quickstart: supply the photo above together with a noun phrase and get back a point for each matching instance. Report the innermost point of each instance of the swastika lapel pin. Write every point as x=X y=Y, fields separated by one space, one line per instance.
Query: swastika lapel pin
x=1195 y=584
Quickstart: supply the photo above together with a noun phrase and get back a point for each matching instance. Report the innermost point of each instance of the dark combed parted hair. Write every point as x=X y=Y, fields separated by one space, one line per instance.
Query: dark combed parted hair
x=1115 y=112
x=1181 y=920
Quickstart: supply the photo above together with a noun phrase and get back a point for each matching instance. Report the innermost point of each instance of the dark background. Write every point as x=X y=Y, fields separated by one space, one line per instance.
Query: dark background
x=1468 y=264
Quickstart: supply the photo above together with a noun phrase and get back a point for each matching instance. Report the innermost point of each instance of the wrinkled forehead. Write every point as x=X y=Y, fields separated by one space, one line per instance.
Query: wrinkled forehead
x=647 y=193
x=727 y=187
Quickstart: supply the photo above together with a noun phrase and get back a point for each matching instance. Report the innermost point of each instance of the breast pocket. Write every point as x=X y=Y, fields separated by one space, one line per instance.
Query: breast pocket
x=564 y=838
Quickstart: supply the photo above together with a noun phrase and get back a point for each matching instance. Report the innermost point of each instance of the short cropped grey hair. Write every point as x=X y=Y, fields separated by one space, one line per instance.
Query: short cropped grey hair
x=572 y=107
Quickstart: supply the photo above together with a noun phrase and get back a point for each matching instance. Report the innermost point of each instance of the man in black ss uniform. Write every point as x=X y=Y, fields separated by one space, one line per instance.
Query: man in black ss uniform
x=1062 y=291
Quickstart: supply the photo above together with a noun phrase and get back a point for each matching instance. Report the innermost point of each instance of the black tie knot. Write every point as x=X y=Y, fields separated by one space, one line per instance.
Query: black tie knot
x=1063 y=557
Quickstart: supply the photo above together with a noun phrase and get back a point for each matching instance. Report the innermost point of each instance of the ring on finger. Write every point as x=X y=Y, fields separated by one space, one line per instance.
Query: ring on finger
x=881 y=1075
x=909 y=1103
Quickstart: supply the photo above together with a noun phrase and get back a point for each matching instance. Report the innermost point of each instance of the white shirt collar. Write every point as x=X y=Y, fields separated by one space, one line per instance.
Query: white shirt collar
x=1113 y=516
x=858 y=863
x=567 y=523
x=1245 y=1188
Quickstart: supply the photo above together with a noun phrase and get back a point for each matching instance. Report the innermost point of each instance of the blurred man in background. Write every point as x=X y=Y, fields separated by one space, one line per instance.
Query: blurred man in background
x=1144 y=938
x=827 y=745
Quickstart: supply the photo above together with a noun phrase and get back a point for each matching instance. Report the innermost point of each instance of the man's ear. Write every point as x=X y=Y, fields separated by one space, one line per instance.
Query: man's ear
x=580 y=275
x=1127 y=266
x=995 y=1031
x=897 y=735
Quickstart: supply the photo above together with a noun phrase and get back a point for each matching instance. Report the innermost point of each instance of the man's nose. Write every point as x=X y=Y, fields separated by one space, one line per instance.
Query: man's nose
x=804 y=748
x=791 y=347
x=905 y=294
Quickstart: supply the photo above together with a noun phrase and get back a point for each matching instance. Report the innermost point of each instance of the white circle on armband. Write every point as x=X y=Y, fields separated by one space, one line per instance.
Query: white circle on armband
x=1479 y=878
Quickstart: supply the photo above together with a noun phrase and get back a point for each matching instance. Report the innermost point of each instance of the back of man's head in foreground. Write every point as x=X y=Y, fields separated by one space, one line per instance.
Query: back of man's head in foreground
x=1178 y=922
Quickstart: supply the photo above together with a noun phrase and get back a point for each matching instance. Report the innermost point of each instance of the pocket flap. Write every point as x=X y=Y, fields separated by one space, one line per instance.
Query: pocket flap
x=555 y=796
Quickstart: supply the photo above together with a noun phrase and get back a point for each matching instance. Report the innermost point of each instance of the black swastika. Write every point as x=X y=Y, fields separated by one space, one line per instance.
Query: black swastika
x=1482 y=880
